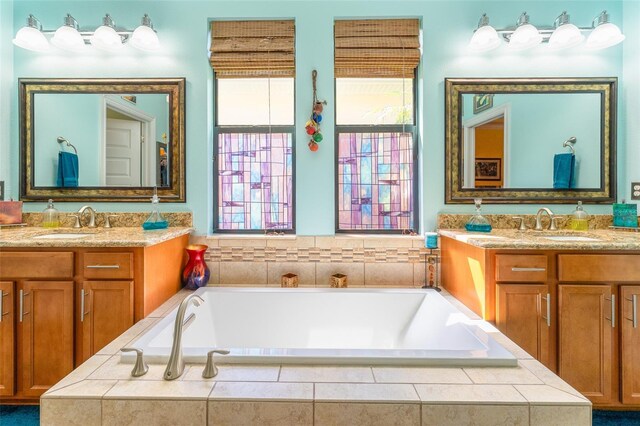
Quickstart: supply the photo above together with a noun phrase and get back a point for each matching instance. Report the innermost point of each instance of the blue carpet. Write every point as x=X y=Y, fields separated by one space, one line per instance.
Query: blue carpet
x=19 y=415
x=29 y=415
x=616 y=418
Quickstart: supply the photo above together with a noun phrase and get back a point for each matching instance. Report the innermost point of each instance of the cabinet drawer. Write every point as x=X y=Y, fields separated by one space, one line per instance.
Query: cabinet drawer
x=611 y=268
x=524 y=268
x=107 y=265
x=23 y=264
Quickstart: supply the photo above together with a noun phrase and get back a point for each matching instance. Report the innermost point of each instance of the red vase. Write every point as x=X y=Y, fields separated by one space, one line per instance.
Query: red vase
x=196 y=273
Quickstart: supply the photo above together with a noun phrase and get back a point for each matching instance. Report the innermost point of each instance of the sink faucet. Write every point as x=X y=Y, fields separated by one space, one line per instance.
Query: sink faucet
x=92 y=217
x=552 y=224
x=175 y=366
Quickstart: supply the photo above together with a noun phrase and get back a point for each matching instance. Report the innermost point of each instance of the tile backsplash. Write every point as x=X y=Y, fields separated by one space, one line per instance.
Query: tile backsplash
x=394 y=261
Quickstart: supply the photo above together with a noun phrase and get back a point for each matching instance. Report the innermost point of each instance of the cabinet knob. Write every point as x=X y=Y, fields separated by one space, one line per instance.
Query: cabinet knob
x=141 y=367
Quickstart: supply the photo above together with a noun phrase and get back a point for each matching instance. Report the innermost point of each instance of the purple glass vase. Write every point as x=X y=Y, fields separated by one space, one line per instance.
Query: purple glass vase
x=195 y=273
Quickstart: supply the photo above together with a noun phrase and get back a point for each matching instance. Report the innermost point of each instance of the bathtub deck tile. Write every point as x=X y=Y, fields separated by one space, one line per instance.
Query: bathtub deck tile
x=543 y=394
x=235 y=373
x=365 y=392
x=263 y=413
x=366 y=414
x=464 y=394
x=90 y=389
x=553 y=415
x=113 y=369
x=420 y=375
x=510 y=376
x=81 y=373
x=262 y=391
x=472 y=414
x=70 y=412
x=548 y=377
x=138 y=412
x=160 y=389
x=318 y=374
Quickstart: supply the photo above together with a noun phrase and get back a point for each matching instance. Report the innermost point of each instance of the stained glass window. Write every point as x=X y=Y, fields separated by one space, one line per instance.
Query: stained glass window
x=255 y=181
x=375 y=181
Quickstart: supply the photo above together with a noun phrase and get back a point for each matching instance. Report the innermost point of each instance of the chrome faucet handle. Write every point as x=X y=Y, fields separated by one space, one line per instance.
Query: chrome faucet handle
x=141 y=367
x=77 y=223
x=522 y=226
x=107 y=220
x=211 y=370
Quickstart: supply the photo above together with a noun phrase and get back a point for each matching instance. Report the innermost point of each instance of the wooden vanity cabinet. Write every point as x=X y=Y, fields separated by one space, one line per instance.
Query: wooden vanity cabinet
x=7 y=338
x=630 y=343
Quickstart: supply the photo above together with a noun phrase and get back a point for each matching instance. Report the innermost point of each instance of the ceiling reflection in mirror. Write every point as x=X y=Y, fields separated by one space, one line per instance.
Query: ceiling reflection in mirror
x=530 y=140
x=103 y=140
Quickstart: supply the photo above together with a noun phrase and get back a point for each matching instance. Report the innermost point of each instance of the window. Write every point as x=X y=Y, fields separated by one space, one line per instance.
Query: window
x=254 y=134
x=376 y=136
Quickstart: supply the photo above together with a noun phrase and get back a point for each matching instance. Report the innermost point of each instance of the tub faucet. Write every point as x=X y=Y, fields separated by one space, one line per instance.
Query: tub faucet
x=92 y=216
x=552 y=223
x=175 y=366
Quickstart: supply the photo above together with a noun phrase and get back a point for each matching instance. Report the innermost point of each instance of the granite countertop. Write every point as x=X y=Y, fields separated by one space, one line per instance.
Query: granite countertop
x=595 y=239
x=98 y=237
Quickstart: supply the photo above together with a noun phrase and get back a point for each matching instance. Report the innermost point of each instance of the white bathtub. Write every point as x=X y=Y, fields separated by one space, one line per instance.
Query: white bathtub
x=327 y=326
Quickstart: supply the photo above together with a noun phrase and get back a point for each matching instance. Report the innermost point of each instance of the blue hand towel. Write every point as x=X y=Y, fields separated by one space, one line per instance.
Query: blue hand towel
x=67 y=169
x=563 y=167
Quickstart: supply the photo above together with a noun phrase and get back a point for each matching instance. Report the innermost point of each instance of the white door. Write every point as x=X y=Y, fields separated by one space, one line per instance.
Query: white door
x=123 y=153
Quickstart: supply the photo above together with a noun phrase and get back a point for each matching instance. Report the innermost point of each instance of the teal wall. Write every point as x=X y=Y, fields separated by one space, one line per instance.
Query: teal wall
x=8 y=145
x=447 y=26
x=631 y=96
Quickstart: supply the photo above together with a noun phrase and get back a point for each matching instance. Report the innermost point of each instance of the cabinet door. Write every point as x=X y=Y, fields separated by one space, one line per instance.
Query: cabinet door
x=7 y=338
x=586 y=323
x=45 y=332
x=524 y=315
x=630 y=343
x=108 y=312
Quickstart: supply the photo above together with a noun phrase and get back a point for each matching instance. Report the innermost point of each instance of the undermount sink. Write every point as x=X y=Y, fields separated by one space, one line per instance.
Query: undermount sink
x=61 y=236
x=570 y=238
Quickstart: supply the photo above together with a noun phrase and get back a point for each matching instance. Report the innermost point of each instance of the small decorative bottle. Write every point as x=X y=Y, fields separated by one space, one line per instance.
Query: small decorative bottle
x=155 y=219
x=50 y=216
x=478 y=223
x=580 y=218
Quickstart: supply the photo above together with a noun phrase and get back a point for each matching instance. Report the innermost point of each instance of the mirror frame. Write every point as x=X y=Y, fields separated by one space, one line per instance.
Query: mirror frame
x=456 y=87
x=174 y=87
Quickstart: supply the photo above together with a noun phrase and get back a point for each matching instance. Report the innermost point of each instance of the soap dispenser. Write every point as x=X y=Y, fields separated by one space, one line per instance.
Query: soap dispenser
x=478 y=223
x=155 y=219
x=579 y=218
x=50 y=216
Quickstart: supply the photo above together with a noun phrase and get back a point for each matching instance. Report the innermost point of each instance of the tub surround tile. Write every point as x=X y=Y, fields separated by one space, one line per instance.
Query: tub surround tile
x=235 y=373
x=113 y=369
x=243 y=273
x=296 y=242
x=549 y=415
x=475 y=394
x=339 y=242
x=81 y=372
x=420 y=375
x=548 y=377
x=390 y=241
x=86 y=389
x=260 y=413
x=133 y=412
x=306 y=272
x=511 y=376
x=319 y=374
x=262 y=391
x=543 y=394
x=388 y=274
x=214 y=271
x=477 y=415
x=234 y=241
x=377 y=392
x=70 y=412
x=160 y=389
x=366 y=414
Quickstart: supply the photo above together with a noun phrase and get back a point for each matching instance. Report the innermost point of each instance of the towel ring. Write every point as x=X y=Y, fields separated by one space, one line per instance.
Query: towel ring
x=62 y=140
x=569 y=144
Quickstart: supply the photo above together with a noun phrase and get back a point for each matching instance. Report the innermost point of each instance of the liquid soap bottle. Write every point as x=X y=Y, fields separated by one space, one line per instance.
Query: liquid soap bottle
x=50 y=216
x=579 y=218
x=478 y=223
x=155 y=219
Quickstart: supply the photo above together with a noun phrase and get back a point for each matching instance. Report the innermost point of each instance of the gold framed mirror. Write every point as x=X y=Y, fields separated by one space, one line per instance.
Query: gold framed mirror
x=534 y=140
x=102 y=139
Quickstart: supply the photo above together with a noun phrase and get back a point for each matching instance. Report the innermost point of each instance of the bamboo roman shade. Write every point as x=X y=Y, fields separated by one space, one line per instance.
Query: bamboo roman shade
x=253 y=49
x=377 y=48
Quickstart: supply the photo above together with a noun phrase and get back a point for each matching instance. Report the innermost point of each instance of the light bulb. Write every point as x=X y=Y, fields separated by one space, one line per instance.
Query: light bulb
x=603 y=36
x=67 y=36
x=30 y=37
x=105 y=37
x=144 y=37
x=565 y=35
x=526 y=36
x=485 y=38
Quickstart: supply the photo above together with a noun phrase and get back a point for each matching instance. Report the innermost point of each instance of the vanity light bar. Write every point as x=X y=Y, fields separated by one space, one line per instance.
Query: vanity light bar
x=69 y=36
x=562 y=35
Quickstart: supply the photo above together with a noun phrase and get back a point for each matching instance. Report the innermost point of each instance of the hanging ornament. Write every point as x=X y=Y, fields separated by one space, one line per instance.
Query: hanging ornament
x=312 y=126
